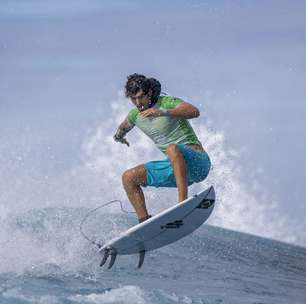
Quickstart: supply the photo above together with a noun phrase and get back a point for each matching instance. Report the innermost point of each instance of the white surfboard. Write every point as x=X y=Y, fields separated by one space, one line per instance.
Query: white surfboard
x=162 y=229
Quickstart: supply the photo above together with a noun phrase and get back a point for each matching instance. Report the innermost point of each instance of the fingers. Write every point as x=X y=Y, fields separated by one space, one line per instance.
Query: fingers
x=145 y=113
x=121 y=140
x=124 y=141
x=149 y=112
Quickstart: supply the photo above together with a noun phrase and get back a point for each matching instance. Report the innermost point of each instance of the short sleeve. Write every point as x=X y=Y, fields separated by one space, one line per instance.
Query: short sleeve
x=169 y=102
x=132 y=116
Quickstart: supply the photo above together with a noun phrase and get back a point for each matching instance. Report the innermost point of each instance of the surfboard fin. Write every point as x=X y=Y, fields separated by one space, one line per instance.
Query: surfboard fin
x=113 y=259
x=109 y=252
x=105 y=257
x=141 y=258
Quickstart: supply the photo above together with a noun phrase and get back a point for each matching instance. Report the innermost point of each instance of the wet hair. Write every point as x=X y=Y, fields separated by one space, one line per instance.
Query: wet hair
x=137 y=82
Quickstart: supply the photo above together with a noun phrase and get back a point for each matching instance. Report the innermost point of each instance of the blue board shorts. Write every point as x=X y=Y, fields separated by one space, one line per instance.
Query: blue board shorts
x=160 y=172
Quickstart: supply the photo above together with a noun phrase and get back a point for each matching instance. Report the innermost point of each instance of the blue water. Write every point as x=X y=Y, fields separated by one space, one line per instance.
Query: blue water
x=213 y=265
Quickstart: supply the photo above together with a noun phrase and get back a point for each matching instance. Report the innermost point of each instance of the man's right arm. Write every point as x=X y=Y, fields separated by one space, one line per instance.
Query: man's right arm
x=122 y=130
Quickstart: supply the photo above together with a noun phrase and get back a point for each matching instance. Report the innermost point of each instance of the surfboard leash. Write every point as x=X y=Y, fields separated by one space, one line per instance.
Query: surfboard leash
x=93 y=211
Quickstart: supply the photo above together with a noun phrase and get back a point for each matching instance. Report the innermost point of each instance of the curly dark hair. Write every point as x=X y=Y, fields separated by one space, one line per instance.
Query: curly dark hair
x=137 y=82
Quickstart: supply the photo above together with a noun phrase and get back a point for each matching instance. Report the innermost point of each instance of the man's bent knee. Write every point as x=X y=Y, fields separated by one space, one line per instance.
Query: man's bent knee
x=128 y=177
x=134 y=176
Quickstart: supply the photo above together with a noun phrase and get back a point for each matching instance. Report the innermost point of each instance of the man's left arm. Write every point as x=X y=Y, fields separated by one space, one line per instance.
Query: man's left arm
x=183 y=110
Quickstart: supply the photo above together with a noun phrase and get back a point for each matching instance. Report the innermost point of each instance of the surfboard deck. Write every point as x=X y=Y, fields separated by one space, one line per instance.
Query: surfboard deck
x=162 y=229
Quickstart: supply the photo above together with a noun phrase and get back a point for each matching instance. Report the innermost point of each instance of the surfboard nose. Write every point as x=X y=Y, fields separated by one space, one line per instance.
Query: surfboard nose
x=210 y=193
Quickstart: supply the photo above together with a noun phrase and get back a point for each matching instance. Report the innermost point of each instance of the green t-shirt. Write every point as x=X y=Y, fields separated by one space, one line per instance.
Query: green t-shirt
x=164 y=130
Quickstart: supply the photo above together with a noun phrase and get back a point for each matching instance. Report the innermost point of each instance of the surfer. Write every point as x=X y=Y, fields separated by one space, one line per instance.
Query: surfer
x=165 y=120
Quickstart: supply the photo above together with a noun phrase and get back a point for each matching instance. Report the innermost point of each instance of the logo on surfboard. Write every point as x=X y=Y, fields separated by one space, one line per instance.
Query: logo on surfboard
x=171 y=225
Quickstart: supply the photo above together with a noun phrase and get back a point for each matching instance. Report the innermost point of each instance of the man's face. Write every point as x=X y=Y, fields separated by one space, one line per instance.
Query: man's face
x=141 y=100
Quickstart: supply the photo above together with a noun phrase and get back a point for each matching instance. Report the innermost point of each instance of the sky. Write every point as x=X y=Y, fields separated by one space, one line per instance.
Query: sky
x=243 y=63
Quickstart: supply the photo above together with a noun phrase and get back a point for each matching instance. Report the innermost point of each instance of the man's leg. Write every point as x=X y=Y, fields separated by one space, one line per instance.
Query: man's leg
x=132 y=179
x=180 y=172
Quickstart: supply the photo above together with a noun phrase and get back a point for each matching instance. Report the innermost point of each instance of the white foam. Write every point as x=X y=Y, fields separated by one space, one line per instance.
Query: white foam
x=133 y=294
x=15 y=294
x=125 y=294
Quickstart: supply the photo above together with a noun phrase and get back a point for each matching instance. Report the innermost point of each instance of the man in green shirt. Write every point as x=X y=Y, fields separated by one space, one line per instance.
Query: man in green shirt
x=165 y=120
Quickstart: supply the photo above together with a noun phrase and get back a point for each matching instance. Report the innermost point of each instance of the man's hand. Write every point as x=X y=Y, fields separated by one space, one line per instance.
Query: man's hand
x=121 y=140
x=124 y=128
x=151 y=112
